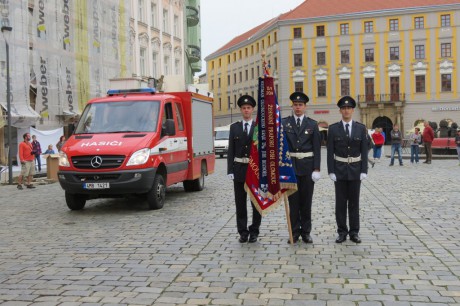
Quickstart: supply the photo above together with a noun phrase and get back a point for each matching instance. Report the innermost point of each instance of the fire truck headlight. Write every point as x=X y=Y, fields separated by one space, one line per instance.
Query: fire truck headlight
x=63 y=160
x=139 y=158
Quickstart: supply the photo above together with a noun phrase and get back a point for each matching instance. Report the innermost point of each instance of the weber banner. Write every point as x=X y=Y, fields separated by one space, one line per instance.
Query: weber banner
x=270 y=174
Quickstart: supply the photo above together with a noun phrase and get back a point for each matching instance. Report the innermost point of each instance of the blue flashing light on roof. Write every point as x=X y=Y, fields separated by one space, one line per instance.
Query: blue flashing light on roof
x=112 y=92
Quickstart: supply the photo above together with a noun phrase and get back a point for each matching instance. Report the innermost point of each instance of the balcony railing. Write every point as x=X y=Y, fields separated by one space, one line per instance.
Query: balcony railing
x=382 y=98
x=193 y=16
x=193 y=53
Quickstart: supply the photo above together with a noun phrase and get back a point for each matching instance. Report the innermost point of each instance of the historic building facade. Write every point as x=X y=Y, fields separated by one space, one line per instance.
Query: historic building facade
x=396 y=59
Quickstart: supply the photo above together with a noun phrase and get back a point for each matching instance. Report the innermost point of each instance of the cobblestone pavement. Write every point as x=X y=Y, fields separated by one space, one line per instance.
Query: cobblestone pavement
x=116 y=252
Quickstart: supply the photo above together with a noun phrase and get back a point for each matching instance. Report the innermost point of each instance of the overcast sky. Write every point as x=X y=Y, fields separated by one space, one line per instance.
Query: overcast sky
x=222 y=20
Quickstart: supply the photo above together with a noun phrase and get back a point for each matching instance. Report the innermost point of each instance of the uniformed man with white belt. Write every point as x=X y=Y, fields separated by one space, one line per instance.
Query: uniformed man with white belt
x=347 y=167
x=304 y=141
x=239 y=149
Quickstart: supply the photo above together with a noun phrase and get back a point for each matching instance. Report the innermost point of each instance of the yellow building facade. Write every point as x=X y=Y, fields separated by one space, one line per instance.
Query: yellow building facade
x=399 y=64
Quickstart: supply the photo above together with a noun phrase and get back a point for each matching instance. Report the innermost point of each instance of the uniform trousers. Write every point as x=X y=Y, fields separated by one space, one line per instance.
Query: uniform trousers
x=347 y=199
x=242 y=212
x=300 y=206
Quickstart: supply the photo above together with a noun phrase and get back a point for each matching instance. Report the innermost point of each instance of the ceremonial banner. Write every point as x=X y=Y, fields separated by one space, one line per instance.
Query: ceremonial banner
x=270 y=174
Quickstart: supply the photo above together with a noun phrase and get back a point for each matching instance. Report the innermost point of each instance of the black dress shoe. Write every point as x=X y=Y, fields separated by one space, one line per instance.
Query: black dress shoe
x=341 y=238
x=295 y=239
x=307 y=239
x=243 y=239
x=355 y=238
x=252 y=238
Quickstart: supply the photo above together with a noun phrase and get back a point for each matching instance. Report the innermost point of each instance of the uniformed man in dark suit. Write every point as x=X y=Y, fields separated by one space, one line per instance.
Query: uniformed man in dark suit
x=347 y=167
x=239 y=148
x=304 y=141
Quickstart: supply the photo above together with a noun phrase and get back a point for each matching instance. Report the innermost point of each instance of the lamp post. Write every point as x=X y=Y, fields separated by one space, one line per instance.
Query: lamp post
x=6 y=31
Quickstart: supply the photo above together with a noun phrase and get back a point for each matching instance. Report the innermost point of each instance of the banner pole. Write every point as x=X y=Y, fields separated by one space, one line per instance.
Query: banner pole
x=286 y=206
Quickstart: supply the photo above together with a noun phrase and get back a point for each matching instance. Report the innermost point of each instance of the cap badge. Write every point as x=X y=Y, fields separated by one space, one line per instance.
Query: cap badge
x=298 y=97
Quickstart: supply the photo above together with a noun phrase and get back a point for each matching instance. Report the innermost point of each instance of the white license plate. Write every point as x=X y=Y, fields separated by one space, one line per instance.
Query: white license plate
x=96 y=185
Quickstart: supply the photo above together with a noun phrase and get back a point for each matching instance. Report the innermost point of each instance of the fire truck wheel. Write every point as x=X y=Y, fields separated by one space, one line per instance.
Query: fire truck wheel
x=75 y=201
x=156 y=195
x=197 y=184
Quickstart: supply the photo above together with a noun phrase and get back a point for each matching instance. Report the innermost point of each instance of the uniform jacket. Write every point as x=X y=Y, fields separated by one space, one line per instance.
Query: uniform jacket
x=239 y=145
x=301 y=140
x=339 y=144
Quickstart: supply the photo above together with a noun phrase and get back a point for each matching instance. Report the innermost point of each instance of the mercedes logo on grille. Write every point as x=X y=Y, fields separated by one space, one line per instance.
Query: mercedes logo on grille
x=96 y=161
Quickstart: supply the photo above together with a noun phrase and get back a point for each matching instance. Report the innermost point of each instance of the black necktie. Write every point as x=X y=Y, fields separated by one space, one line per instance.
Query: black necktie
x=246 y=128
x=298 y=122
x=347 y=131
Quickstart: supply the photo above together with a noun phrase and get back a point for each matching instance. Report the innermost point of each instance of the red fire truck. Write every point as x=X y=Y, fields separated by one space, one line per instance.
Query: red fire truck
x=138 y=142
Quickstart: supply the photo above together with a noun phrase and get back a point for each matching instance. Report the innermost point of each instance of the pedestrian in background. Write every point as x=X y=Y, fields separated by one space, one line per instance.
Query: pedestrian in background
x=396 y=138
x=415 y=139
x=304 y=142
x=347 y=167
x=37 y=151
x=60 y=143
x=26 y=157
x=427 y=136
x=239 y=148
x=378 y=139
x=457 y=141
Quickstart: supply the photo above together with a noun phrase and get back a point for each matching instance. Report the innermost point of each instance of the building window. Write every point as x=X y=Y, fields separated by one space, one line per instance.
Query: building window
x=165 y=21
x=368 y=27
x=419 y=23
x=142 y=61
x=344 y=29
x=166 y=64
x=394 y=53
x=241 y=76
x=177 y=68
x=321 y=58
x=446 y=82
x=322 y=88
x=155 y=64
x=445 y=20
x=229 y=103
x=298 y=60
x=369 y=89
x=419 y=83
x=298 y=86
x=394 y=25
x=276 y=64
x=297 y=32
x=176 y=26
x=212 y=84
x=234 y=78
x=320 y=31
x=420 y=51
x=141 y=16
x=218 y=83
x=252 y=73
x=345 y=56
x=369 y=55
x=228 y=79
x=153 y=16
x=345 y=87
x=228 y=59
x=246 y=74
x=446 y=50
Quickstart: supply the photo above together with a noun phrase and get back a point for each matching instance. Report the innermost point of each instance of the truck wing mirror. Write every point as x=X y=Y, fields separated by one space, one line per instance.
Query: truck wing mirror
x=168 y=128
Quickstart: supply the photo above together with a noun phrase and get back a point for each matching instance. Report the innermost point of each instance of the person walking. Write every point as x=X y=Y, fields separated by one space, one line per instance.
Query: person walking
x=379 y=140
x=415 y=139
x=239 y=148
x=396 y=139
x=26 y=157
x=347 y=167
x=37 y=151
x=427 y=136
x=304 y=143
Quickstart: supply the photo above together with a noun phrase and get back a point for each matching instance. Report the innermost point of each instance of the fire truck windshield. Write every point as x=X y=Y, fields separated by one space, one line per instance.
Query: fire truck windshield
x=113 y=117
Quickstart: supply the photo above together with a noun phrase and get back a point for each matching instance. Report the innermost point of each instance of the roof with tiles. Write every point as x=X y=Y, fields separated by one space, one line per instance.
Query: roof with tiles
x=323 y=8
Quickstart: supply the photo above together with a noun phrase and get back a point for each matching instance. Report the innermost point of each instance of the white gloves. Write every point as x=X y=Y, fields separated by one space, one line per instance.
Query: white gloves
x=230 y=176
x=363 y=176
x=315 y=176
x=333 y=177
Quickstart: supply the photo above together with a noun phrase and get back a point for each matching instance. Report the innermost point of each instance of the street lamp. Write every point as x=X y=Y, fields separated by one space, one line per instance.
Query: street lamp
x=6 y=33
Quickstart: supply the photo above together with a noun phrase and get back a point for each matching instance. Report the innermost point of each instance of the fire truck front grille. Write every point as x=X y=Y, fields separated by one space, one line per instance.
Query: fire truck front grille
x=98 y=161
